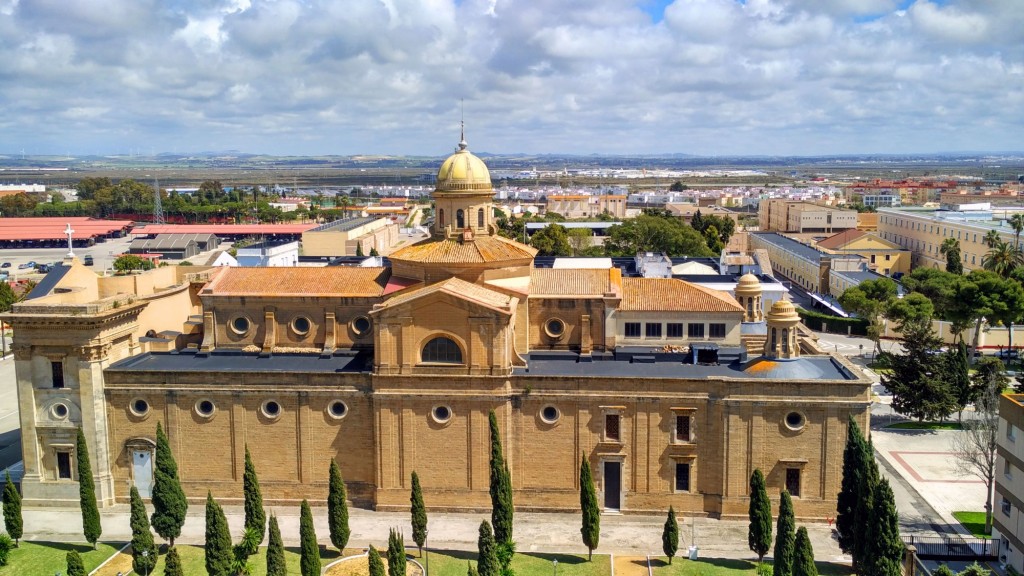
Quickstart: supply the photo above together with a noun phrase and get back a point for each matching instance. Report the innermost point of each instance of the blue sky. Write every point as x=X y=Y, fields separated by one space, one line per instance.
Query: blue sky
x=708 y=77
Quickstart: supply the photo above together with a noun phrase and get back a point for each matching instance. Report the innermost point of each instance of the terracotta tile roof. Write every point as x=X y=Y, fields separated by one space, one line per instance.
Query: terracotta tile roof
x=575 y=282
x=460 y=289
x=481 y=249
x=663 y=294
x=303 y=281
x=837 y=241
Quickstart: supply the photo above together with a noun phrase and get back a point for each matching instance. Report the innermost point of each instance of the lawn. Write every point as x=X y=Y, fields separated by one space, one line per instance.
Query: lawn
x=926 y=426
x=34 y=558
x=727 y=567
x=974 y=522
x=453 y=563
x=194 y=562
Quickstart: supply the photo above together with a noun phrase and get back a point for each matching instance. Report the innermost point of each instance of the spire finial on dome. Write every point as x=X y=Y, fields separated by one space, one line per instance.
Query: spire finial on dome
x=462 y=123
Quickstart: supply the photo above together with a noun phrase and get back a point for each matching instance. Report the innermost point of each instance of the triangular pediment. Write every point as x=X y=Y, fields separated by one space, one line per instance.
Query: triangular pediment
x=471 y=294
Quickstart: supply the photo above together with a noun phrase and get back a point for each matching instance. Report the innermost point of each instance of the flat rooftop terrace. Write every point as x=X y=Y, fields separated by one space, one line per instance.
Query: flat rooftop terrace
x=190 y=361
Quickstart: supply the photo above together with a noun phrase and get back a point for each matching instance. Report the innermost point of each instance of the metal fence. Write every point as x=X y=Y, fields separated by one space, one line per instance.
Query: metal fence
x=953 y=546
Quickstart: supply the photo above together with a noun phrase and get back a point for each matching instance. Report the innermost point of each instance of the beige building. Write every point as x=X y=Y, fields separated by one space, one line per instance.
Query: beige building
x=804 y=265
x=799 y=216
x=1008 y=515
x=394 y=370
x=882 y=256
x=922 y=231
x=687 y=211
x=344 y=237
x=587 y=206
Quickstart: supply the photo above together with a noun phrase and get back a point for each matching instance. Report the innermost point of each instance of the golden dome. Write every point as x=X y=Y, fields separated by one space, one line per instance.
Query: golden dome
x=463 y=172
x=748 y=285
x=783 y=312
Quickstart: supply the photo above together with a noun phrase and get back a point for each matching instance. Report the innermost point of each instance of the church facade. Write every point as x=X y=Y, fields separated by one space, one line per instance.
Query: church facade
x=673 y=392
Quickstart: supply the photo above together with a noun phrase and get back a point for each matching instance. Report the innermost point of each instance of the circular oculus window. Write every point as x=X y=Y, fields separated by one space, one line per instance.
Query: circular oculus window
x=549 y=414
x=59 y=411
x=795 y=421
x=301 y=325
x=361 y=325
x=337 y=409
x=138 y=407
x=441 y=414
x=240 y=325
x=554 y=328
x=206 y=408
x=271 y=409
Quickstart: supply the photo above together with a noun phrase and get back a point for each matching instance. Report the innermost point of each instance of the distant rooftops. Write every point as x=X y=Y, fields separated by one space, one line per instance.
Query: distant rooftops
x=345 y=224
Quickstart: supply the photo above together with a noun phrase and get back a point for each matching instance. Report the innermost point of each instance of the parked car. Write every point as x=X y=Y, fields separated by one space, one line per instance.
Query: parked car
x=43 y=268
x=87 y=261
x=29 y=264
x=5 y=265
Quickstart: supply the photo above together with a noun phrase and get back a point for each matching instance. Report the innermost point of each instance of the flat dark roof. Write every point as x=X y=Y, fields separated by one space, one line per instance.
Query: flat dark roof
x=190 y=361
x=790 y=245
x=803 y=368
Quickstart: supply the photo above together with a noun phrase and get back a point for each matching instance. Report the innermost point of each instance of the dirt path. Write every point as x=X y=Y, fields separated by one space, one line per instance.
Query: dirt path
x=121 y=563
x=630 y=566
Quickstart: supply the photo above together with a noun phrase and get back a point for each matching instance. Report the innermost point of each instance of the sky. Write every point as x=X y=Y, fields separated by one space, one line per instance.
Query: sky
x=394 y=77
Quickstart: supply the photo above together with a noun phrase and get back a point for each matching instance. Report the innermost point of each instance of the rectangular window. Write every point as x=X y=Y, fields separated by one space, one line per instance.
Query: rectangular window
x=675 y=330
x=717 y=330
x=64 y=465
x=1006 y=506
x=57 y=372
x=632 y=329
x=611 y=427
x=653 y=330
x=793 y=482
x=695 y=330
x=682 y=476
x=682 y=428
x=1007 y=469
x=887 y=257
x=1011 y=432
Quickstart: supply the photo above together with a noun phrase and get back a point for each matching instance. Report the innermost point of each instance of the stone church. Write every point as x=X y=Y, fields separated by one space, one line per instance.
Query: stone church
x=673 y=392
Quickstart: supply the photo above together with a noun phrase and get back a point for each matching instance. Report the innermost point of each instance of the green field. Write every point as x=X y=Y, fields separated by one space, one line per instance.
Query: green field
x=34 y=558
x=925 y=426
x=193 y=561
x=727 y=567
x=974 y=522
x=454 y=563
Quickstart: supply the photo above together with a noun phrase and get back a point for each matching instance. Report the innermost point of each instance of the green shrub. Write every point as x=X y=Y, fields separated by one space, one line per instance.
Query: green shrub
x=835 y=324
x=6 y=543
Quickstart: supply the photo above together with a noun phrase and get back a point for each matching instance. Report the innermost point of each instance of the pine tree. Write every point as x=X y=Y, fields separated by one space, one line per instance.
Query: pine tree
x=275 y=551
x=309 y=563
x=396 y=553
x=785 y=537
x=169 y=503
x=219 y=556
x=12 y=511
x=862 y=512
x=759 y=534
x=143 y=549
x=87 y=493
x=670 y=535
x=172 y=564
x=501 y=493
x=74 y=564
x=883 y=550
x=591 y=529
x=803 y=555
x=854 y=456
x=255 y=516
x=376 y=564
x=419 y=514
x=337 y=509
x=487 y=557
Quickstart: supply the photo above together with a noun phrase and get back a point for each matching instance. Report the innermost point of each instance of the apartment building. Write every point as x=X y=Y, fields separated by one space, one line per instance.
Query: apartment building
x=1008 y=515
x=784 y=215
x=587 y=206
x=922 y=231
x=804 y=265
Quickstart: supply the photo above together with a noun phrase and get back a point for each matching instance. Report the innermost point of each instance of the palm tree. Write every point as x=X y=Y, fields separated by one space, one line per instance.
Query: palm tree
x=992 y=238
x=1002 y=259
x=1017 y=223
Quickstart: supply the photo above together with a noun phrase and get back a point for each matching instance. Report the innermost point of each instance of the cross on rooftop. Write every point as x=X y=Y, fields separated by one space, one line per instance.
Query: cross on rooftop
x=69 y=232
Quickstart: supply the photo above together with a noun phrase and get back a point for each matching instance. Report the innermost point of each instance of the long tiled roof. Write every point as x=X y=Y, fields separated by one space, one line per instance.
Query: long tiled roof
x=658 y=294
x=304 y=281
x=575 y=282
x=459 y=288
x=482 y=249
x=841 y=239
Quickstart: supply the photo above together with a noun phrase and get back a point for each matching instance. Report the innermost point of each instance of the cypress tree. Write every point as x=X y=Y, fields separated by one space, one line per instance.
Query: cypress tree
x=12 y=511
x=255 y=516
x=883 y=549
x=591 y=529
x=862 y=512
x=87 y=493
x=854 y=456
x=144 y=553
x=396 y=554
x=759 y=533
x=487 y=557
x=785 y=537
x=419 y=514
x=75 y=565
x=219 y=556
x=275 y=551
x=309 y=563
x=670 y=535
x=803 y=555
x=376 y=564
x=501 y=489
x=169 y=503
x=337 y=509
x=172 y=564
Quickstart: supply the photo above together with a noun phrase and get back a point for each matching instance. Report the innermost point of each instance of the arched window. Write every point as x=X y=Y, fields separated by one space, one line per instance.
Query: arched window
x=785 y=340
x=774 y=333
x=480 y=218
x=460 y=219
x=440 y=218
x=750 y=307
x=442 y=350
